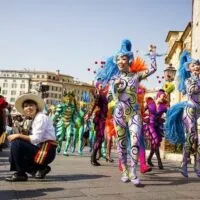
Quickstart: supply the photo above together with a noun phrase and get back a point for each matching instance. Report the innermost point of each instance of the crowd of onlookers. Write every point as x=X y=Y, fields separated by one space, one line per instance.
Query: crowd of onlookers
x=11 y=124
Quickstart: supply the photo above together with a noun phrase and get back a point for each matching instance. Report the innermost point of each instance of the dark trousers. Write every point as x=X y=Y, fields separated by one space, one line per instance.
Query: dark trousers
x=22 y=155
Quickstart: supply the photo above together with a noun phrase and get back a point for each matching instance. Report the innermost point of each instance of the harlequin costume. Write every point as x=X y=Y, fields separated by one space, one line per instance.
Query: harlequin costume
x=183 y=119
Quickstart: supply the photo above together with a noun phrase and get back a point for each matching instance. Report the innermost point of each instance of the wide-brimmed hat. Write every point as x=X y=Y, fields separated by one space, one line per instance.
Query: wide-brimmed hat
x=29 y=96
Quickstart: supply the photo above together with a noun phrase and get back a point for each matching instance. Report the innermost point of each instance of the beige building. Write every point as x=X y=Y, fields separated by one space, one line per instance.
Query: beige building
x=177 y=41
x=196 y=29
x=16 y=82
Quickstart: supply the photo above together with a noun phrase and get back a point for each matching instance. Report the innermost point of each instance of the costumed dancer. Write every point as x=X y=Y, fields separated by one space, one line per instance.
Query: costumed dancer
x=183 y=119
x=101 y=104
x=80 y=119
x=142 y=155
x=154 y=124
x=124 y=80
x=64 y=120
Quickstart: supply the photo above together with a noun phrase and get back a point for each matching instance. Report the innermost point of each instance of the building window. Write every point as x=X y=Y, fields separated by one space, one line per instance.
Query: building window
x=13 y=92
x=5 y=80
x=5 y=85
x=12 y=99
x=14 y=85
x=21 y=92
x=54 y=78
x=22 y=81
x=38 y=76
x=42 y=76
x=4 y=92
x=14 y=80
x=49 y=77
x=22 y=86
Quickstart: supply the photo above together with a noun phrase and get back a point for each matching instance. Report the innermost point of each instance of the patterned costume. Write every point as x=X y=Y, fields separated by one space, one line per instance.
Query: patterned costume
x=127 y=115
x=64 y=120
x=183 y=119
x=154 y=123
x=99 y=121
x=81 y=125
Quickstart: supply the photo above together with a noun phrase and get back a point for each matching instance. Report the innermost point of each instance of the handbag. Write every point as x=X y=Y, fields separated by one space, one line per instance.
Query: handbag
x=43 y=151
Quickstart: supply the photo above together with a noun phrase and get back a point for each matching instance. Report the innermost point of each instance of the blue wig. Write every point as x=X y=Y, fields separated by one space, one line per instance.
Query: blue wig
x=125 y=50
x=85 y=97
x=107 y=72
x=174 y=127
x=183 y=72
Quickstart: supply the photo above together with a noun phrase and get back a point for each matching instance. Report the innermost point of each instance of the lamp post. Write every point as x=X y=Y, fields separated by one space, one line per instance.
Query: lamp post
x=169 y=74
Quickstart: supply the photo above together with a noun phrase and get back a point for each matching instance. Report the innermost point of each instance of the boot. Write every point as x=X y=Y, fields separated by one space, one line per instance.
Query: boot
x=197 y=162
x=160 y=165
x=150 y=157
x=143 y=166
x=133 y=176
x=183 y=168
x=93 y=159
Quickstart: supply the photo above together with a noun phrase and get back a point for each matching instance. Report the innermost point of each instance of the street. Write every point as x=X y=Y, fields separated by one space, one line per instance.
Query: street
x=73 y=178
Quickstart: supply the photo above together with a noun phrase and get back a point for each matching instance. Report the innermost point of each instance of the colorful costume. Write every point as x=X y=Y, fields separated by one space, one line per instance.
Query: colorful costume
x=154 y=124
x=64 y=120
x=81 y=125
x=124 y=84
x=99 y=121
x=183 y=119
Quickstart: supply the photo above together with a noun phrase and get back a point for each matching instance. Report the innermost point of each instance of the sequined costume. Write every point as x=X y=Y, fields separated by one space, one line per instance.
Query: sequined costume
x=64 y=120
x=153 y=125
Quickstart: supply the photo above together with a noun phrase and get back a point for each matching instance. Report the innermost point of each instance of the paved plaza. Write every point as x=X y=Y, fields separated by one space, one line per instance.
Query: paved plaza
x=73 y=178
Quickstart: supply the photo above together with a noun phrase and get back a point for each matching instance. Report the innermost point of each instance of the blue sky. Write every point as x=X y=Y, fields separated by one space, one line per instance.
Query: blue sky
x=70 y=35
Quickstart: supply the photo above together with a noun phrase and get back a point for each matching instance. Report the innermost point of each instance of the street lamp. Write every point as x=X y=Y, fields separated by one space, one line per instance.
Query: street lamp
x=169 y=73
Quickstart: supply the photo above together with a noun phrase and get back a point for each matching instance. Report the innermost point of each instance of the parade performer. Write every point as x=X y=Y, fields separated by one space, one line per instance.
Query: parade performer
x=64 y=120
x=142 y=155
x=154 y=124
x=124 y=79
x=183 y=119
x=101 y=104
x=32 y=153
x=81 y=125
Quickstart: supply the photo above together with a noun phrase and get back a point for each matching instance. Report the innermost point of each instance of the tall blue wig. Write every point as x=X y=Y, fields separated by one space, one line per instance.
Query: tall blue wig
x=174 y=127
x=125 y=50
x=107 y=72
x=85 y=97
x=183 y=72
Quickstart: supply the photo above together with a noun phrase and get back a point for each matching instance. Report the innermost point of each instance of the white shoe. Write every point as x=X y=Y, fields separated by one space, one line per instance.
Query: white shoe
x=133 y=176
x=125 y=177
x=135 y=181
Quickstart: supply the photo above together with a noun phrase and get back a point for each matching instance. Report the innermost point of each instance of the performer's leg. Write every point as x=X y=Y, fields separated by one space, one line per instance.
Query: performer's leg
x=135 y=125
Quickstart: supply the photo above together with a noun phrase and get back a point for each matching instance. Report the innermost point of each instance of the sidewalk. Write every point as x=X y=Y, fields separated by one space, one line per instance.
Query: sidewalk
x=73 y=178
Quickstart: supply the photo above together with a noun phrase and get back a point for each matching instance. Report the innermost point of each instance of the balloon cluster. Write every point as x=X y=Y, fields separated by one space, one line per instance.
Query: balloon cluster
x=160 y=79
x=98 y=65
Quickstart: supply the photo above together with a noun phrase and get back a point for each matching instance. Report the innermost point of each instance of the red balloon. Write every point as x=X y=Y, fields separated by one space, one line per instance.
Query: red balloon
x=101 y=66
x=163 y=77
x=96 y=62
x=159 y=81
x=94 y=72
x=157 y=76
x=102 y=62
x=88 y=69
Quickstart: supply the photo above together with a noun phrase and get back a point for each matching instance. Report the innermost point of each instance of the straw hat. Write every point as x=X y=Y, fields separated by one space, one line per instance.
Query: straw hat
x=29 y=96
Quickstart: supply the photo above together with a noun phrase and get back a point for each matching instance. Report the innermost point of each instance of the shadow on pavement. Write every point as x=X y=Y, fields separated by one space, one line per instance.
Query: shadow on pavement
x=71 y=177
x=12 y=194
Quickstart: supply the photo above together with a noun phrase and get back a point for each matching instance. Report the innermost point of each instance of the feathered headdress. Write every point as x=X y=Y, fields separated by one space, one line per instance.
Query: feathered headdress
x=125 y=50
x=183 y=71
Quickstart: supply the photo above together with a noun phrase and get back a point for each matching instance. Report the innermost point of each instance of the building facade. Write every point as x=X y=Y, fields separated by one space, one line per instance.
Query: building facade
x=196 y=29
x=177 y=41
x=14 y=83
